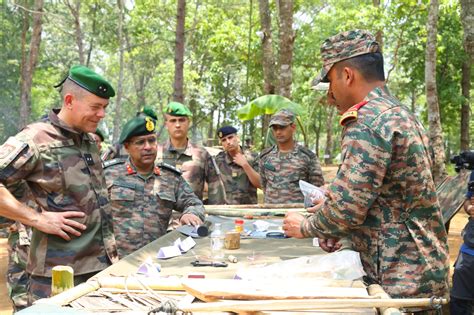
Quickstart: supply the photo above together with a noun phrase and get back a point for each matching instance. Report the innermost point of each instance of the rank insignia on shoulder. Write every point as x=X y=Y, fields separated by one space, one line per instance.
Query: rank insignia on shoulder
x=347 y=117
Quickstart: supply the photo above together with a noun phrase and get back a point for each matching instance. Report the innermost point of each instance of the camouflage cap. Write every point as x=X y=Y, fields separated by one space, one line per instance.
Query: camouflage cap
x=137 y=126
x=283 y=117
x=90 y=81
x=343 y=46
x=177 y=109
x=225 y=131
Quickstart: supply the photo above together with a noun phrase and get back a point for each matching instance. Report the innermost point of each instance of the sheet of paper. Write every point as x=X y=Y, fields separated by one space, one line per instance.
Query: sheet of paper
x=168 y=252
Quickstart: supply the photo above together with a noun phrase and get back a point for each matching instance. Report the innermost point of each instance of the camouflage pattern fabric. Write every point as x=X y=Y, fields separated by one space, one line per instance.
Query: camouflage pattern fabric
x=197 y=168
x=17 y=277
x=238 y=188
x=115 y=151
x=280 y=173
x=384 y=199
x=142 y=205
x=62 y=168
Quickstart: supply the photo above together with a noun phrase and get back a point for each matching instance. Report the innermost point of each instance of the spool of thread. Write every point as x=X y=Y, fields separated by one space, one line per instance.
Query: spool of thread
x=232 y=259
x=232 y=240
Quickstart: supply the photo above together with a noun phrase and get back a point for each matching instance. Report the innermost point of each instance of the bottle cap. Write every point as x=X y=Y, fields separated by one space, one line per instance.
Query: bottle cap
x=239 y=221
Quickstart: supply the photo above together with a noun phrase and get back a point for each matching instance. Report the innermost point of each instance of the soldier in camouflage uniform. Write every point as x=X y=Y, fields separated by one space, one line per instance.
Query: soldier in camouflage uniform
x=236 y=169
x=383 y=197
x=143 y=194
x=59 y=161
x=283 y=165
x=196 y=164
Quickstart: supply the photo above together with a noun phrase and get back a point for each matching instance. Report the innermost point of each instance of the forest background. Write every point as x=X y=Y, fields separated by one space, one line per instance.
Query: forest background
x=217 y=55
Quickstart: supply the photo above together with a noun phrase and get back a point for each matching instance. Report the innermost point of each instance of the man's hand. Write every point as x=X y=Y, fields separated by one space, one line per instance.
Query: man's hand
x=59 y=223
x=190 y=219
x=292 y=223
x=329 y=245
x=240 y=159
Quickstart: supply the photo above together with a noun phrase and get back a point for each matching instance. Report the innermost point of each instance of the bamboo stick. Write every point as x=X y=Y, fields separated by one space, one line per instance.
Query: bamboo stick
x=62 y=279
x=67 y=297
x=133 y=283
x=376 y=290
x=309 y=304
x=258 y=206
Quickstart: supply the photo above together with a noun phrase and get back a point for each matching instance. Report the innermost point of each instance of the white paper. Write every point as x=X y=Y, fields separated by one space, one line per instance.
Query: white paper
x=149 y=268
x=261 y=225
x=187 y=244
x=168 y=252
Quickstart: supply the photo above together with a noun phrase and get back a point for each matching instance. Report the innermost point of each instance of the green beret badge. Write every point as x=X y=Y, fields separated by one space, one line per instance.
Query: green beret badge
x=150 y=126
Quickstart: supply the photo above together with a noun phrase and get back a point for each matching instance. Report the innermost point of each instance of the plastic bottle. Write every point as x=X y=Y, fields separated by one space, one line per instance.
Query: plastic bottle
x=239 y=225
x=217 y=243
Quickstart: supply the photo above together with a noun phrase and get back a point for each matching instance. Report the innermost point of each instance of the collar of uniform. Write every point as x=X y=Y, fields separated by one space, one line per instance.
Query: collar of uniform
x=228 y=159
x=53 y=117
x=295 y=148
x=131 y=169
x=382 y=91
x=188 y=151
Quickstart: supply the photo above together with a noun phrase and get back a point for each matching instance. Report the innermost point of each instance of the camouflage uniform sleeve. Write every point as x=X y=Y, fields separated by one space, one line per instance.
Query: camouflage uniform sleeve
x=215 y=190
x=17 y=160
x=261 y=171
x=187 y=201
x=356 y=186
x=315 y=174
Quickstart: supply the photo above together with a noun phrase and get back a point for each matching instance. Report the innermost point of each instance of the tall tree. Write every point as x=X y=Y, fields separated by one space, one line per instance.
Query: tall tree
x=75 y=9
x=178 y=93
x=118 y=101
x=287 y=39
x=435 y=132
x=29 y=64
x=467 y=19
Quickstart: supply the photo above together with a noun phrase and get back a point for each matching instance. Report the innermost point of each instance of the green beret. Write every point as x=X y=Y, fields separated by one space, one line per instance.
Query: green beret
x=137 y=126
x=89 y=80
x=100 y=134
x=177 y=109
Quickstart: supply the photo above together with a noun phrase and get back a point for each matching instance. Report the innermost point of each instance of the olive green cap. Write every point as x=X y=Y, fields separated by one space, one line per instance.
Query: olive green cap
x=100 y=134
x=90 y=81
x=137 y=126
x=177 y=109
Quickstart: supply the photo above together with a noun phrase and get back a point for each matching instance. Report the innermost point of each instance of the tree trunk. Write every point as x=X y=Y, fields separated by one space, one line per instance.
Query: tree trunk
x=467 y=19
x=379 y=33
x=93 y=33
x=75 y=11
x=328 y=153
x=30 y=64
x=268 y=60
x=118 y=101
x=435 y=133
x=178 y=94
x=466 y=107
x=287 y=38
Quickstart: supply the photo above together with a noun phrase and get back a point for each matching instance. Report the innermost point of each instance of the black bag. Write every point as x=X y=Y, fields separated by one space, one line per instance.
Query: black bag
x=469 y=233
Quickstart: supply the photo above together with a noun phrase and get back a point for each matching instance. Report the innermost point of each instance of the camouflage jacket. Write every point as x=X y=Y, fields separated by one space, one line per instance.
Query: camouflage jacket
x=63 y=170
x=197 y=167
x=142 y=206
x=238 y=188
x=384 y=199
x=281 y=173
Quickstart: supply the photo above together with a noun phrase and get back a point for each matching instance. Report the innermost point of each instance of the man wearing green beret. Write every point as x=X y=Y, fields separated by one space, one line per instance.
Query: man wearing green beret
x=59 y=161
x=236 y=169
x=383 y=197
x=142 y=193
x=196 y=164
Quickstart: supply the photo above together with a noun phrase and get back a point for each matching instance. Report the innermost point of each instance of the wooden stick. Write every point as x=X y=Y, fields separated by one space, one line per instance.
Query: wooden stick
x=133 y=283
x=309 y=304
x=67 y=297
x=62 y=279
x=257 y=206
x=377 y=291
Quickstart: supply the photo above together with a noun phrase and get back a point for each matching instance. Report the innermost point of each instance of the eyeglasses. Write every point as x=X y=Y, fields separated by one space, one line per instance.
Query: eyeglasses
x=141 y=142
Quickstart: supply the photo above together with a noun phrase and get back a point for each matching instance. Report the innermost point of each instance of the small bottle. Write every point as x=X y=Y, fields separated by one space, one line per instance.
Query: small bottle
x=217 y=243
x=239 y=225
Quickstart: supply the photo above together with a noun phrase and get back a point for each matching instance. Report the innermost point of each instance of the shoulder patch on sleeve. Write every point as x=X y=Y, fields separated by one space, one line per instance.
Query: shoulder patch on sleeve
x=307 y=151
x=113 y=162
x=169 y=167
x=10 y=150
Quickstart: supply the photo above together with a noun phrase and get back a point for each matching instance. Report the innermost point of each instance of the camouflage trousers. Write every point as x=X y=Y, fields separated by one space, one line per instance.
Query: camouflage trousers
x=17 y=278
x=40 y=287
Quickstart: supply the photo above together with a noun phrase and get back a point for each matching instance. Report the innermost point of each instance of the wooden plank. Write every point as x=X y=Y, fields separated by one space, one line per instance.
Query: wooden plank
x=222 y=289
